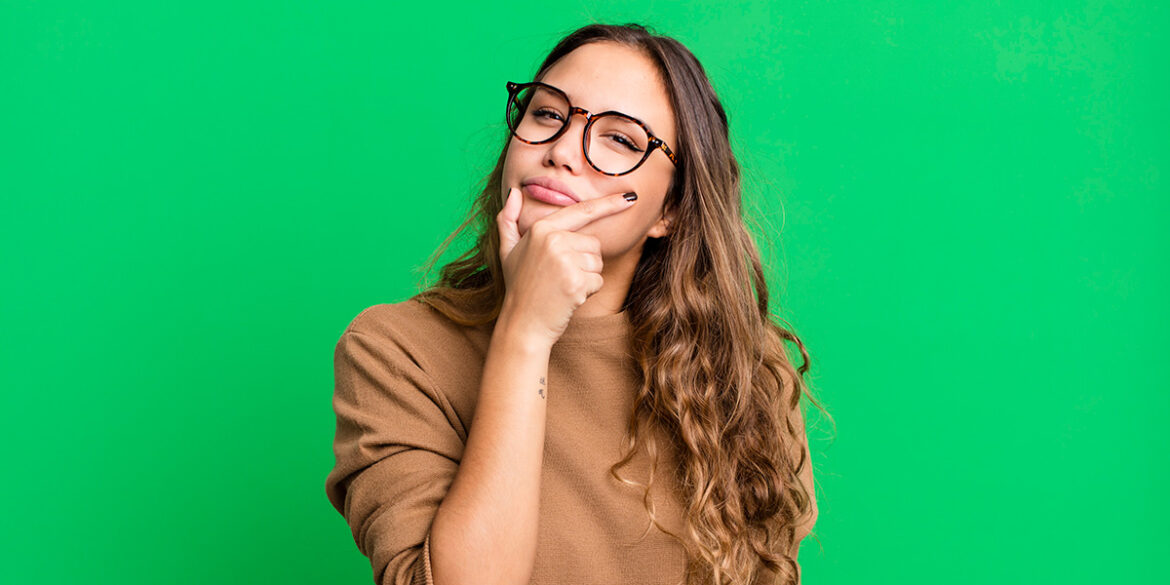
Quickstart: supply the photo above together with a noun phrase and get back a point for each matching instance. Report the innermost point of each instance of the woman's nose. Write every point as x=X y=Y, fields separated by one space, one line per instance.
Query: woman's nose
x=568 y=148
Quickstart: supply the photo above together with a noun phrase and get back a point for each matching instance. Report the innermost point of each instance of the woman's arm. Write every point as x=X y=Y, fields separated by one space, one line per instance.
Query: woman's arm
x=485 y=528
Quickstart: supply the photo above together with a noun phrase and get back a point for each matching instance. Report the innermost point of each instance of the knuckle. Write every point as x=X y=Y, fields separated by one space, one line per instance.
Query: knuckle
x=573 y=285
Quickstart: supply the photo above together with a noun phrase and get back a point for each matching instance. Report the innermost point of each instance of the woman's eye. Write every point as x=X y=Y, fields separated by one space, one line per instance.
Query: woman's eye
x=626 y=142
x=547 y=114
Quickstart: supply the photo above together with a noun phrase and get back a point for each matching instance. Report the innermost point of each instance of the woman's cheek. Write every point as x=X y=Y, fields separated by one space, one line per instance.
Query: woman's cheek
x=610 y=232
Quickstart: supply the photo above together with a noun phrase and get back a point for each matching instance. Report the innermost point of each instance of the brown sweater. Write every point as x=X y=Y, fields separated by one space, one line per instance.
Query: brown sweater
x=407 y=379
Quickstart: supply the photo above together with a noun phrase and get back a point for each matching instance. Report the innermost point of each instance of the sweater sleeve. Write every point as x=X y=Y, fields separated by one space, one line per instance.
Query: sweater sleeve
x=396 y=454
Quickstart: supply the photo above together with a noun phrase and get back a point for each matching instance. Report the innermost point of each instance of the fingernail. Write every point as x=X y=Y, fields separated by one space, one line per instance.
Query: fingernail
x=630 y=196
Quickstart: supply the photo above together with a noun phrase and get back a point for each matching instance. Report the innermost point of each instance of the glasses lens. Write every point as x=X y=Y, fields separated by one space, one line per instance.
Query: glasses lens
x=536 y=113
x=616 y=143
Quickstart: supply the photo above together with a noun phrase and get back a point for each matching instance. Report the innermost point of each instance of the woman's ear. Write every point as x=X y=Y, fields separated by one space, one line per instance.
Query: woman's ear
x=663 y=227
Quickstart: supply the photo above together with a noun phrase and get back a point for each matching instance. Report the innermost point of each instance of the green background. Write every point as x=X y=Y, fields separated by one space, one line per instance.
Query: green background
x=963 y=207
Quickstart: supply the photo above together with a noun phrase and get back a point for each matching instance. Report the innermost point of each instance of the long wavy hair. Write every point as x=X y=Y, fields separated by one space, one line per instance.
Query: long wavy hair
x=713 y=362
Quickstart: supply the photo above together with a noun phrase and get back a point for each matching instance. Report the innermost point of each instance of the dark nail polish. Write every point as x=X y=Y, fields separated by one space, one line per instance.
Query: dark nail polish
x=630 y=196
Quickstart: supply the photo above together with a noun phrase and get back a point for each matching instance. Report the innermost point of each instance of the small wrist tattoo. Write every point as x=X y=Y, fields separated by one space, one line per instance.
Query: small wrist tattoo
x=541 y=389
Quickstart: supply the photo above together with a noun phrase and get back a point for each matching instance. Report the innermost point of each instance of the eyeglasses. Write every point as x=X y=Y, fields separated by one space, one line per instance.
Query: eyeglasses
x=614 y=143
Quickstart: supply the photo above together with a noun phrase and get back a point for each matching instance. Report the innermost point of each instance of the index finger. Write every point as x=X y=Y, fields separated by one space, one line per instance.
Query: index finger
x=578 y=215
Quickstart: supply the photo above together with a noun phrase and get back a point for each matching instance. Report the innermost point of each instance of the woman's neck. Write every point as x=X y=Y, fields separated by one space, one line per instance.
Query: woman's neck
x=617 y=274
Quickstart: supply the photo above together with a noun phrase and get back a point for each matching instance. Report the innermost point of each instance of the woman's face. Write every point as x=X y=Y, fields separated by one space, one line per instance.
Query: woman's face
x=598 y=77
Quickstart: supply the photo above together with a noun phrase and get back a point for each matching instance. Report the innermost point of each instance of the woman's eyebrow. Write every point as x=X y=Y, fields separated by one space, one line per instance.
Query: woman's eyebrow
x=638 y=118
x=624 y=112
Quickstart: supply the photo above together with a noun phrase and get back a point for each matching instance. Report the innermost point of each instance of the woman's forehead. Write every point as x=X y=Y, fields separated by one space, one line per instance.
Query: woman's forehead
x=610 y=76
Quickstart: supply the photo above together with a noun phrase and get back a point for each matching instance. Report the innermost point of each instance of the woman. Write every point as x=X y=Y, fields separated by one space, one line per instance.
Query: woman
x=594 y=393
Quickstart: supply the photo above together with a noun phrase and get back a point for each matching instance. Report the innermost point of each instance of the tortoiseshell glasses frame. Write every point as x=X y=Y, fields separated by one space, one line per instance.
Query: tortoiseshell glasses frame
x=654 y=143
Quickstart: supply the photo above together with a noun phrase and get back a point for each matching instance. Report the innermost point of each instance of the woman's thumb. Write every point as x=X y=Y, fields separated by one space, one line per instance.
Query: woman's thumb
x=509 y=233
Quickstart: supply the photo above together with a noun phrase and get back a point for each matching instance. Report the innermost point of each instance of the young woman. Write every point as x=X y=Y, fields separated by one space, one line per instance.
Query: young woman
x=595 y=392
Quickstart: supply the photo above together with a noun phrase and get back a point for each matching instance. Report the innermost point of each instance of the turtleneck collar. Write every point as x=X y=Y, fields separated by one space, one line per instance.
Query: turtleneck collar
x=583 y=329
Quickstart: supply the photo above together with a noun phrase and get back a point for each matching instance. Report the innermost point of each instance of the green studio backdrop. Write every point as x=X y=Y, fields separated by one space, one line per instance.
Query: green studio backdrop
x=963 y=208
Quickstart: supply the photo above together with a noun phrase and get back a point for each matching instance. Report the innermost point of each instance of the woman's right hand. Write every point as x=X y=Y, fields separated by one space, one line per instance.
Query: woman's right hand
x=552 y=269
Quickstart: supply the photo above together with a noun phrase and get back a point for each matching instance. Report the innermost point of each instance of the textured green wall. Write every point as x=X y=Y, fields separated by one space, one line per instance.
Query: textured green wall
x=967 y=204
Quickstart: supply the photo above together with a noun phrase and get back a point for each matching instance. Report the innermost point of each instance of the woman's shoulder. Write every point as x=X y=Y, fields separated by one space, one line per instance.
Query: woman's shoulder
x=416 y=325
x=413 y=340
x=389 y=317
x=411 y=316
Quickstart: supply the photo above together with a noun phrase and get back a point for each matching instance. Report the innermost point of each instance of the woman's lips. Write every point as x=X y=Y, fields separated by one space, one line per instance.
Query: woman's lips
x=547 y=195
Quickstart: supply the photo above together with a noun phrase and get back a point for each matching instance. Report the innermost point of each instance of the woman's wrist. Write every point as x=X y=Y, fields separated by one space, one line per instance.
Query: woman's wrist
x=519 y=333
